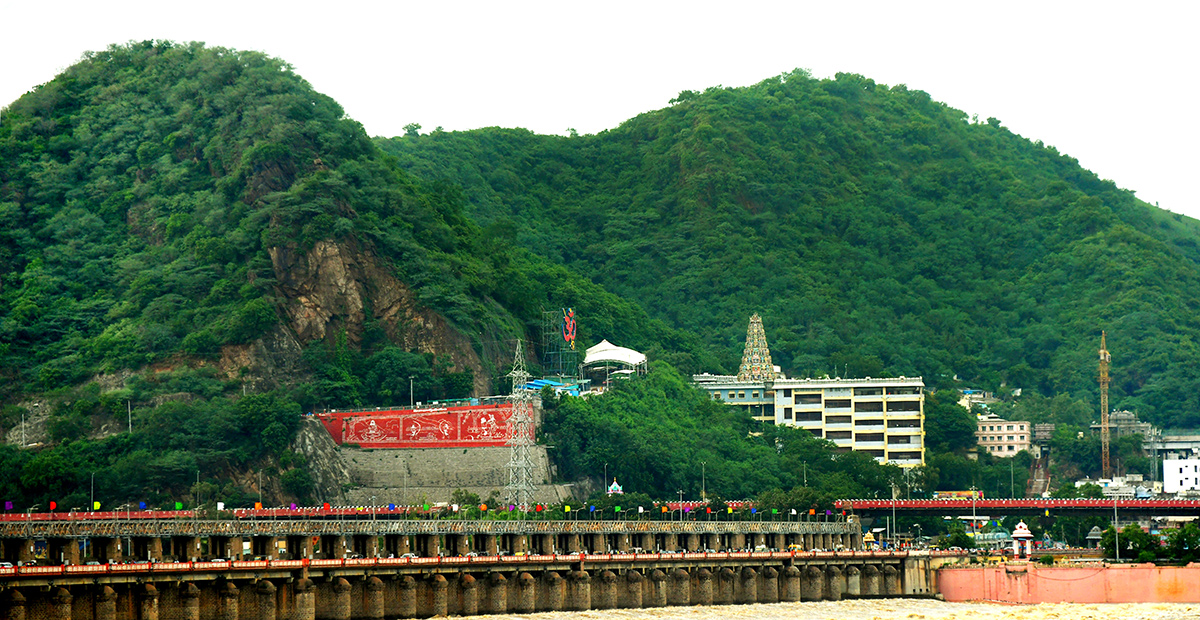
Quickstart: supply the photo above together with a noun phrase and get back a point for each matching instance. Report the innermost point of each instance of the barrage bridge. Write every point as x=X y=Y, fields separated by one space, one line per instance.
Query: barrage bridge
x=311 y=569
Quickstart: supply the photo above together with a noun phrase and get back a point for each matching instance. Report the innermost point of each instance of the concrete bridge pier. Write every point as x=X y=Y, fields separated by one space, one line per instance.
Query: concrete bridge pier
x=891 y=580
x=658 y=589
x=807 y=541
x=264 y=600
x=497 y=593
x=749 y=585
x=758 y=540
x=737 y=541
x=527 y=594
x=605 y=595
x=702 y=587
x=373 y=598
x=645 y=541
x=148 y=603
x=440 y=600
x=14 y=605
x=853 y=581
x=408 y=597
x=339 y=608
x=633 y=590
x=778 y=541
x=469 y=603
x=836 y=584
x=724 y=590
x=595 y=543
x=690 y=542
x=567 y=543
x=579 y=591
x=552 y=592
x=791 y=584
x=622 y=542
x=813 y=587
x=60 y=605
x=770 y=586
x=679 y=589
x=713 y=541
x=188 y=595
x=106 y=605
x=227 y=601
x=303 y=607
x=869 y=581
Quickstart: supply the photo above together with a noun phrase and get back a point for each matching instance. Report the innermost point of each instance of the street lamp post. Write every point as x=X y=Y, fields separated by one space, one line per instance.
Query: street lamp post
x=681 y=505
x=703 y=481
x=410 y=391
x=893 y=514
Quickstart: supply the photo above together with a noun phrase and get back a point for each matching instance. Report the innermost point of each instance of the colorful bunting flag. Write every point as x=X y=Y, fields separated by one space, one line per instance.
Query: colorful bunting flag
x=641 y=510
x=566 y=508
x=708 y=510
x=454 y=507
x=8 y=505
x=483 y=508
x=390 y=506
x=258 y=505
x=618 y=509
x=426 y=507
x=142 y=506
x=793 y=512
x=812 y=511
x=729 y=509
x=664 y=509
x=178 y=505
x=95 y=505
x=774 y=511
x=53 y=505
x=325 y=506
x=220 y=505
x=591 y=509
x=753 y=511
x=293 y=506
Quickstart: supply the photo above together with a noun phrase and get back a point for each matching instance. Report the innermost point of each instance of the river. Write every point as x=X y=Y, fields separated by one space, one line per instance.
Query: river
x=889 y=609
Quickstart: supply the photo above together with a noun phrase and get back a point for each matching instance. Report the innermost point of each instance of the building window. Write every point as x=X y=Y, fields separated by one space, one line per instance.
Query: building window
x=838 y=435
x=741 y=394
x=1009 y=427
x=902 y=405
x=838 y=404
x=787 y=413
x=870 y=406
x=787 y=392
x=868 y=437
x=1010 y=448
x=1022 y=427
x=755 y=395
x=808 y=399
x=837 y=419
x=871 y=391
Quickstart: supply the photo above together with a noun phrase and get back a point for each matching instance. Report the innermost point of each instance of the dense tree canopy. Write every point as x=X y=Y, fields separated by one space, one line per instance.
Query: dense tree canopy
x=878 y=232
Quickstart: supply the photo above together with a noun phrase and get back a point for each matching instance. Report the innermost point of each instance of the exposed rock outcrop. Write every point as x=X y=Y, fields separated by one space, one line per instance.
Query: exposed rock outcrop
x=335 y=286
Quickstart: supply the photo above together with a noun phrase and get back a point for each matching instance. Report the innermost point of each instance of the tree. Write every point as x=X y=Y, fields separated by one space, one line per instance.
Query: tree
x=948 y=426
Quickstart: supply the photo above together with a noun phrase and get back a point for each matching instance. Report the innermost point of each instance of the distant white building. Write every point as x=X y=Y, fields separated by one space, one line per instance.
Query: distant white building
x=1181 y=475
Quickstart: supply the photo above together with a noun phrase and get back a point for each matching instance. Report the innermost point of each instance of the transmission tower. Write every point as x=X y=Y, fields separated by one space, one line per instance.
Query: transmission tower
x=1104 y=433
x=519 y=491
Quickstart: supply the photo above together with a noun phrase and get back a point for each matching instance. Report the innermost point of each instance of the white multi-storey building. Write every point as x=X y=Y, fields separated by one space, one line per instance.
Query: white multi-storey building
x=883 y=417
x=1181 y=475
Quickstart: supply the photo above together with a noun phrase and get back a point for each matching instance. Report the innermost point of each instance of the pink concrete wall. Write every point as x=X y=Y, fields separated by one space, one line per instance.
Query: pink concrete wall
x=1033 y=583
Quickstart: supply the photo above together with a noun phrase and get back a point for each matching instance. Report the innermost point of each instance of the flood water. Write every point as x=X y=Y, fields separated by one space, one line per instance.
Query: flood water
x=891 y=609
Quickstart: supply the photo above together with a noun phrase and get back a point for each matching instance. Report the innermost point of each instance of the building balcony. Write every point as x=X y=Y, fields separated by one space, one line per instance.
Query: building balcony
x=869 y=445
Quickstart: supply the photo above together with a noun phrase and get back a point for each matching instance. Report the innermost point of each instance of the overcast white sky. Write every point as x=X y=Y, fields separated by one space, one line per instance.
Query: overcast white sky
x=1112 y=84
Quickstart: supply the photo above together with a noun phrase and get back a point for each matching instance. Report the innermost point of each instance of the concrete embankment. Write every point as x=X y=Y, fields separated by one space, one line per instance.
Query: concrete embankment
x=1101 y=583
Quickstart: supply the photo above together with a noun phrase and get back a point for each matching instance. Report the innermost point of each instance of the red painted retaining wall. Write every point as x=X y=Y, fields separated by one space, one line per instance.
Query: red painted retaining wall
x=447 y=427
x=1033 y=583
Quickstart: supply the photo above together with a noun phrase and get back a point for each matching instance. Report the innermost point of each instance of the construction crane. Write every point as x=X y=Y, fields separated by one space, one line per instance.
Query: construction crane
x=1105 y=358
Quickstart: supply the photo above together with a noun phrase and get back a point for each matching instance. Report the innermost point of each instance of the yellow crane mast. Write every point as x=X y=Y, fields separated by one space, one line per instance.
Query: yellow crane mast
x=1105 y=358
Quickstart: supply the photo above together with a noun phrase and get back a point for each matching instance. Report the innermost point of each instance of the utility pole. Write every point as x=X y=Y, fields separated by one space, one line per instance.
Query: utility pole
x=1105 y=358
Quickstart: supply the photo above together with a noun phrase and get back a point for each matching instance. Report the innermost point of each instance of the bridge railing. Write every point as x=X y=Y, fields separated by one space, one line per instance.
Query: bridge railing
x=586 y=558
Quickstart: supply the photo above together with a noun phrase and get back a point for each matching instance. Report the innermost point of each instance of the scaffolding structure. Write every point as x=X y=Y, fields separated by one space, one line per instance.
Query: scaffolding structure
x=560 y=355
x=519 y=491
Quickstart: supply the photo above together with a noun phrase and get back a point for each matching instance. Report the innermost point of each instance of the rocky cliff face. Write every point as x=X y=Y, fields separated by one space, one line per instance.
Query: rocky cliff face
x=340 y=285
x=323 y=461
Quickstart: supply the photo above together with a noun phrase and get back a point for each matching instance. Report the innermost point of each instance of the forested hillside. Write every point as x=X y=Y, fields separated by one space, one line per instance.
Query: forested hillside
x=877 y=231
x=186 y=226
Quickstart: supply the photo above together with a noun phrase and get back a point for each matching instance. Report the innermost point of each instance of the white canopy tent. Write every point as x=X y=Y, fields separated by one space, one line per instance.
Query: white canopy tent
x=611 y=361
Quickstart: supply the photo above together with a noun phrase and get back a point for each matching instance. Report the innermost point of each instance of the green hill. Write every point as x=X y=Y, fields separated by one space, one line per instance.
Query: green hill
x=185 y=225
x=878 y=232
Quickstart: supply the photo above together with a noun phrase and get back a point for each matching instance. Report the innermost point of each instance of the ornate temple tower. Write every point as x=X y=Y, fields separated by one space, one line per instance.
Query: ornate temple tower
x=756 y=361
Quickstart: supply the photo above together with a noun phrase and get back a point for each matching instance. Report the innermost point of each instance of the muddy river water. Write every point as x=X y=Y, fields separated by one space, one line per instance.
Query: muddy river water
x=891 y=609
